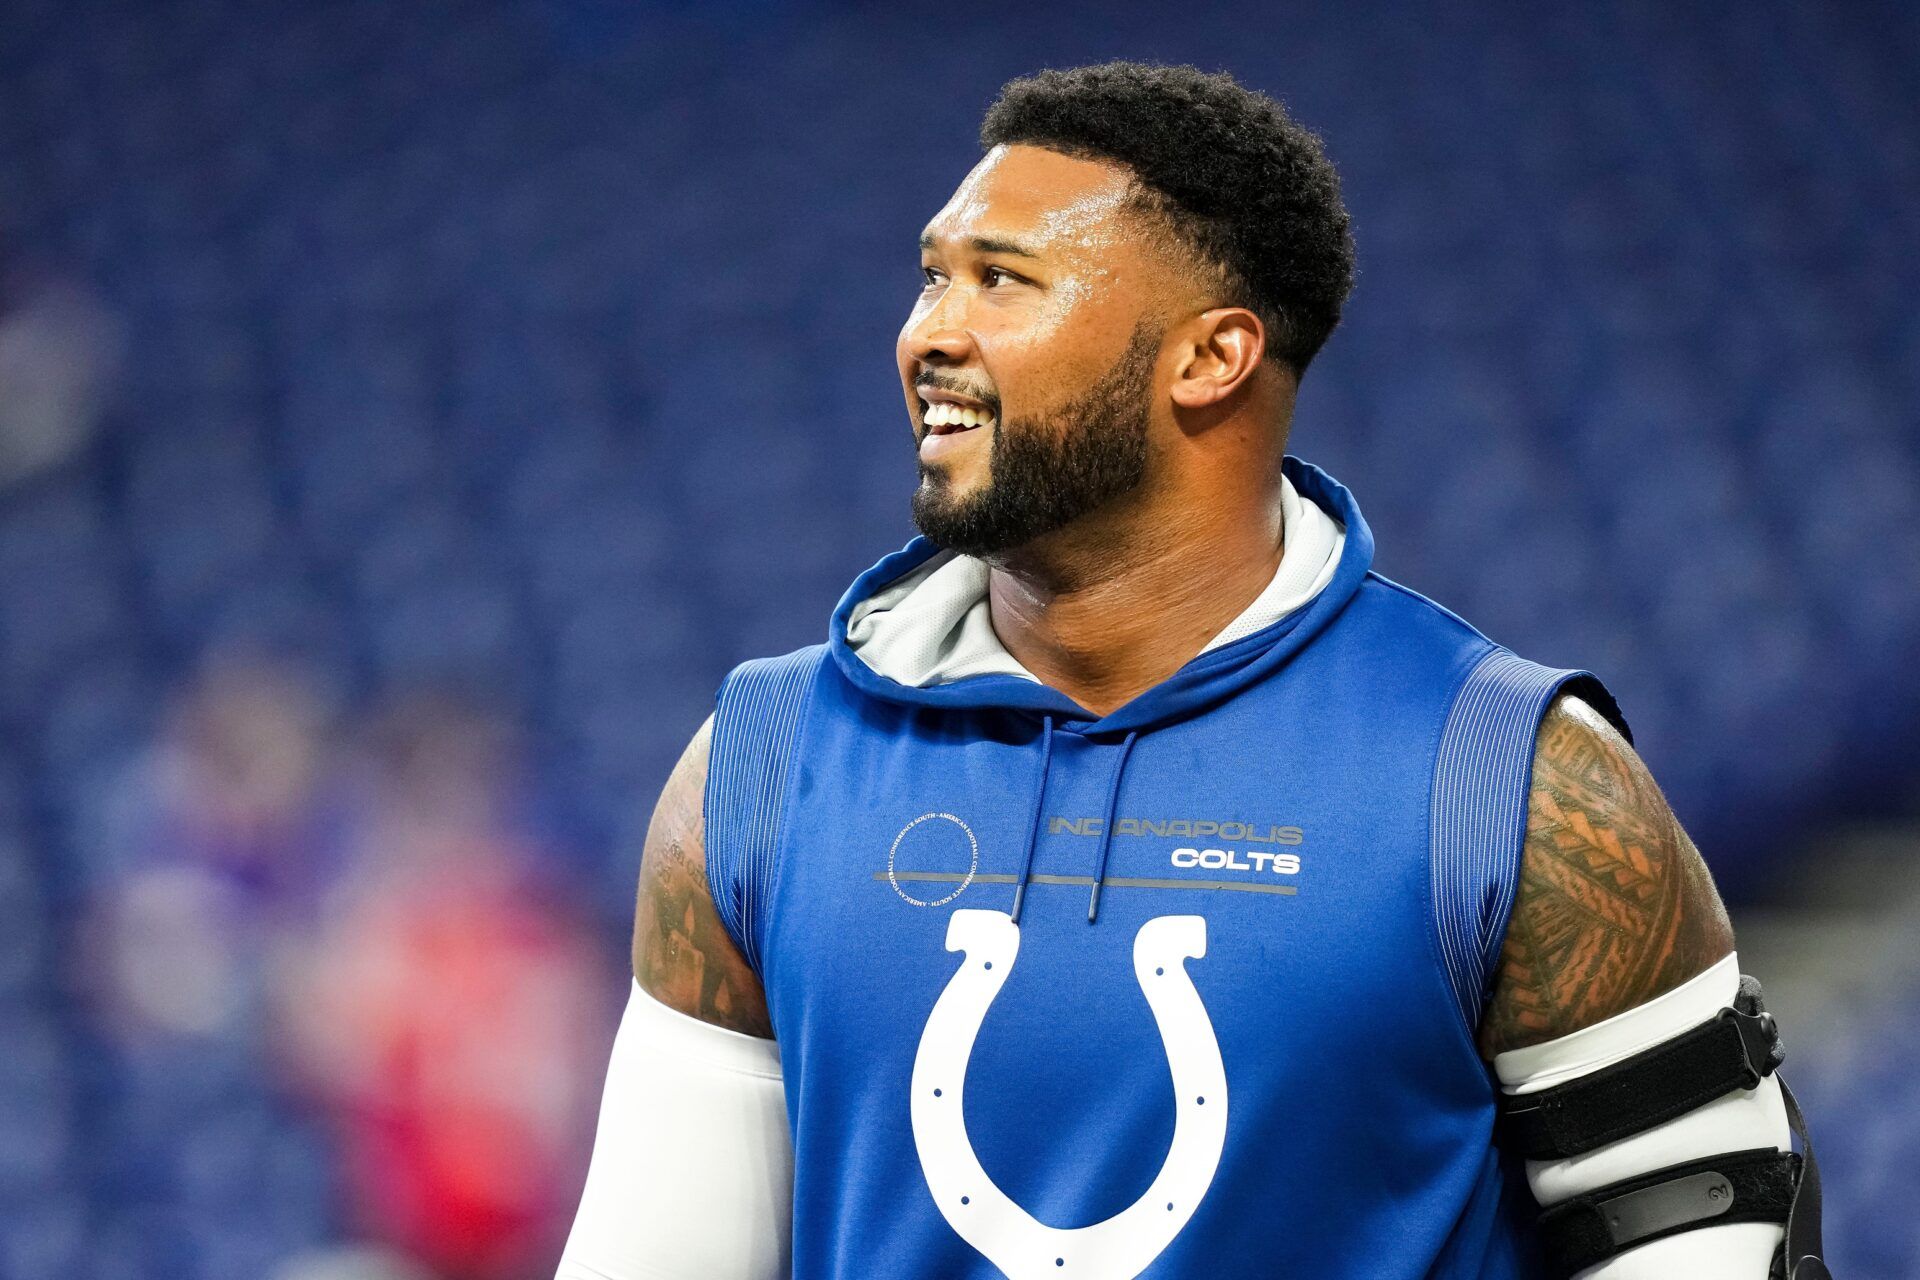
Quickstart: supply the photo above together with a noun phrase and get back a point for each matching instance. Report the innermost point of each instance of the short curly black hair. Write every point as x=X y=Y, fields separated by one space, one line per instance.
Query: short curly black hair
x=1236 y=180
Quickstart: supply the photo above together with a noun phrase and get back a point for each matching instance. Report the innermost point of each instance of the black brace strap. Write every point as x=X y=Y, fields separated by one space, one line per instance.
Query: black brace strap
x=1736 y=1050
x=1799 y=1257
x=1741 y=1186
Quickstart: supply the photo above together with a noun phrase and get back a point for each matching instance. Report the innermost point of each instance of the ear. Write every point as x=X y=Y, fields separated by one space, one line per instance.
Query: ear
x=1220 y=349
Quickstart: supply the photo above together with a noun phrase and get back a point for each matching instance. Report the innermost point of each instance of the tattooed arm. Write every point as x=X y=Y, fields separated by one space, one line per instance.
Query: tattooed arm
x=682 y=954
x=692 y=1170
x=1614 y=905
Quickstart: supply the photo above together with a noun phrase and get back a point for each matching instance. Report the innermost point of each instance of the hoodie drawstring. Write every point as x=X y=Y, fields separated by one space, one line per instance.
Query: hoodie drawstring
x=1039 y=805
x=1106 y=828
x=1033 y=827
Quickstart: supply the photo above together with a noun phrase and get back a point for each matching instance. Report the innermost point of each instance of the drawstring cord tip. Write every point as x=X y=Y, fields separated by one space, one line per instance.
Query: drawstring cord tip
x=1106 y=828
x=1033 y=825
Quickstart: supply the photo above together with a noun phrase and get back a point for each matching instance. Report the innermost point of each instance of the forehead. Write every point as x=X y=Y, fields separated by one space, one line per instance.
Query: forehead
x=1056 y=204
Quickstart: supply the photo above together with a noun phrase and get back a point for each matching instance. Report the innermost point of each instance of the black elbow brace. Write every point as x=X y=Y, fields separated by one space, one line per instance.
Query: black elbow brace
x=1736 y=1050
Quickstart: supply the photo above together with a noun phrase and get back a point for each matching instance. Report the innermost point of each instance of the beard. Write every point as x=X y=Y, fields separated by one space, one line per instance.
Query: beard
x=1044 y=473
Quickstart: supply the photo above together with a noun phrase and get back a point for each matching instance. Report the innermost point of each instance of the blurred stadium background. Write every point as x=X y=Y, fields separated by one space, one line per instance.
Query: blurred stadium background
x=408 y=412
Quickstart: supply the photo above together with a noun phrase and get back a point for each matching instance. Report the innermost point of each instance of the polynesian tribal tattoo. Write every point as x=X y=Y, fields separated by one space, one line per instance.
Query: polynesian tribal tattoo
x=1614 y=905
x=682 y=954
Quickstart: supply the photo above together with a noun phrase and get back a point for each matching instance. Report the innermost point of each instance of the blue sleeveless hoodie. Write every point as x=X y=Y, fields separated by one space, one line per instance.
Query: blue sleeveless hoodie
x=1186 y=990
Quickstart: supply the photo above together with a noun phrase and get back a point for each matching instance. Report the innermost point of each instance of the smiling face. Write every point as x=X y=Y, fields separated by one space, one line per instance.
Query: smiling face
x=1030 y=359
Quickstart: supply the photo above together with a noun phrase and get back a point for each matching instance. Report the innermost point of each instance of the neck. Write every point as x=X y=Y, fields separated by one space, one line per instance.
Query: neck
x=1108 y=609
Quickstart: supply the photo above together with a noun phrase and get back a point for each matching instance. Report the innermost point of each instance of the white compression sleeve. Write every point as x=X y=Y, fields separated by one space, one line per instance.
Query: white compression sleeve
x=692 y=1170
x=1738 y=1121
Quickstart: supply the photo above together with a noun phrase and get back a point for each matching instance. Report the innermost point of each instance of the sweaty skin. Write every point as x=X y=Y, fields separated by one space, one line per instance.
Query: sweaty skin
x=1037 y=271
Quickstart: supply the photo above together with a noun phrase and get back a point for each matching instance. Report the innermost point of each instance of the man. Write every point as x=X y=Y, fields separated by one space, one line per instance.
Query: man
x=1125 y=887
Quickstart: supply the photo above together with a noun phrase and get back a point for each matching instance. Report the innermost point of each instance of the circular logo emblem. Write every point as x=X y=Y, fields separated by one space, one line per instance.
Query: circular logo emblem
x=932 y=849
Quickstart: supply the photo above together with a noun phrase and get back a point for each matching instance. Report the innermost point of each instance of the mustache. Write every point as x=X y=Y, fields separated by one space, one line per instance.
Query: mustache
x=934 y=384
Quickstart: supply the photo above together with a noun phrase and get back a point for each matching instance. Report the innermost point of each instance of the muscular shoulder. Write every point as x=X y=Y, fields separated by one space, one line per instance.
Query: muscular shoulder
x=1614 y=905
x=682 y=954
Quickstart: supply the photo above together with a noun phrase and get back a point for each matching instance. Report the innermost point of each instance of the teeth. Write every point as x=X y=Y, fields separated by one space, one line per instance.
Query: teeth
x=942 y=414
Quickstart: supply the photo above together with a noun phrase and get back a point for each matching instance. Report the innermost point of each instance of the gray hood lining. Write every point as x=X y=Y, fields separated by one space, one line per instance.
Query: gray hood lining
x=933 y=626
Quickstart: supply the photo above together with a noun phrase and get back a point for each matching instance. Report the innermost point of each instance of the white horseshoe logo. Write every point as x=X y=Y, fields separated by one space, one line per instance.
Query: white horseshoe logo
x=1124 y=1245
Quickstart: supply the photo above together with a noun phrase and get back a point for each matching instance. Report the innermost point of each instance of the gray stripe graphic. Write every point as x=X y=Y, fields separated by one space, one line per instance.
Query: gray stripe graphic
x=946 y=877
x=1117 y=882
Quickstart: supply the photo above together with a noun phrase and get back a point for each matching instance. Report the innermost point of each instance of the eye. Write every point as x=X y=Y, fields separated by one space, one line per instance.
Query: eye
x=927 y=274
x=991 y=272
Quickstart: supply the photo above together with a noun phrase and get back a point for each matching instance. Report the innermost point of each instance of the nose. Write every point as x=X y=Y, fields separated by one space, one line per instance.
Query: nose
x=938 y=335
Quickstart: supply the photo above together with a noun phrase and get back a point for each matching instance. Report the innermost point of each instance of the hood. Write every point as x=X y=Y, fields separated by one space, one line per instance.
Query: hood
x=915 y=628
